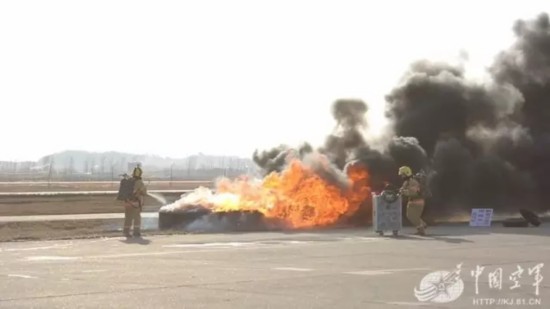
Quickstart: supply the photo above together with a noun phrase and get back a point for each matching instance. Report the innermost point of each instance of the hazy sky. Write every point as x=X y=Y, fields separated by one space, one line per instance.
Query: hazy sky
x=220 y=77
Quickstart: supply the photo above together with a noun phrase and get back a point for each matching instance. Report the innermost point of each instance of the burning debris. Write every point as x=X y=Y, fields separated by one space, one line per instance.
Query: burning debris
x=481 y=144
x=301 y=196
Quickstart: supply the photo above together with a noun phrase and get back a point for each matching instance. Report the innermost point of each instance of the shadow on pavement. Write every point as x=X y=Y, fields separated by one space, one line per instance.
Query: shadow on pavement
x=453 y=240
x=136 y=240
x=497 y=228
x=453 y=233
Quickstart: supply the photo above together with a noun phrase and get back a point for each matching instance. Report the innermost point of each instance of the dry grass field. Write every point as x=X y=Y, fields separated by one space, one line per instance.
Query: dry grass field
x=67 y=204
x=59 y=204
x=77 y=204
x=70 y=229
x=96 y=186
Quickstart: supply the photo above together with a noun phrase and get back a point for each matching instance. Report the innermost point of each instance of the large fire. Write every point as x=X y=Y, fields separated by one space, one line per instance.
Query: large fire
x=298 y=196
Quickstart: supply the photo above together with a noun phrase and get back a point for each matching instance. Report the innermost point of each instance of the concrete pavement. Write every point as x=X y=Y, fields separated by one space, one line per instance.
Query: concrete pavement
x=318 y=269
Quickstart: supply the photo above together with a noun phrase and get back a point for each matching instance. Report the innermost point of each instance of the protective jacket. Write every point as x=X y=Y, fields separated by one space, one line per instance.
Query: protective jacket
x=139 y=188
x=411 y=189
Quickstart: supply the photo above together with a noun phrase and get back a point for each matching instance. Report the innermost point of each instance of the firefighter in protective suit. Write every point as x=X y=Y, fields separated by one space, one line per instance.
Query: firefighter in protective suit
x=415 y=205
x=134 y=205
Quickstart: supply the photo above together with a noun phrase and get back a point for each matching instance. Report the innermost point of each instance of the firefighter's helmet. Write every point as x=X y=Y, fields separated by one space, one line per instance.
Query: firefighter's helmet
x=405 y=171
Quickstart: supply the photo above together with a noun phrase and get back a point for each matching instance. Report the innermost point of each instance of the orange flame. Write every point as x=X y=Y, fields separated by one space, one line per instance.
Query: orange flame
x=360 y=193
x=297 y=196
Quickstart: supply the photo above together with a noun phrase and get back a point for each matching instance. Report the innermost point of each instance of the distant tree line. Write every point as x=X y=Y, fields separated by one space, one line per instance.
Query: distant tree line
x=84 y=166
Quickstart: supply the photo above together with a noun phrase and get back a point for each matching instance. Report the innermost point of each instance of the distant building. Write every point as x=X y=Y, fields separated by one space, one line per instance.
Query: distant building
x=7 y=166
x=13 y=166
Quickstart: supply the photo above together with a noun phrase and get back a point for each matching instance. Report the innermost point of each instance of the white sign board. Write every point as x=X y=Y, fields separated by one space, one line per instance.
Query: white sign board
x=481 y=217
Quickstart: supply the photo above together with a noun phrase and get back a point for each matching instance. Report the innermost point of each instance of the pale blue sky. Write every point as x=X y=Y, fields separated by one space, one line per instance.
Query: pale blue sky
x=219 y=77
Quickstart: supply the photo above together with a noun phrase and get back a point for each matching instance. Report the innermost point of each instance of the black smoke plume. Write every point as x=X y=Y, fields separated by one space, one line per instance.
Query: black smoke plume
x=488 y=141
x=347 y=144
x=348 y=134
x=272 y=160
x=485 y=144
x=276 y=159
x=526 y=66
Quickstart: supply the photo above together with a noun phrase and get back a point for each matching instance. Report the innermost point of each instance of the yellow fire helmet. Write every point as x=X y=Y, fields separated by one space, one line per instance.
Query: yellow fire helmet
x=405 y=171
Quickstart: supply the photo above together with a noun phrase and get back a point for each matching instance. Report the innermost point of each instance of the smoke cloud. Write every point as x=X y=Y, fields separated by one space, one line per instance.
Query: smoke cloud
x=484 y=144
x=273 y=160
x=348 y=134
x=488 y=141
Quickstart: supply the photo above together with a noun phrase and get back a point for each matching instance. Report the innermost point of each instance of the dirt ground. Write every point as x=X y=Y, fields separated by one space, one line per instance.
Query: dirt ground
x=11 y=205
x=69 y=229
x=96 y=186
x=76 y=204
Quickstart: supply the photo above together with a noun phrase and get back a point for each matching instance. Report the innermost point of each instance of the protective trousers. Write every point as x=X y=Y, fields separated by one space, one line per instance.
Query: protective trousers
x=132 y=215
x=414 y=212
